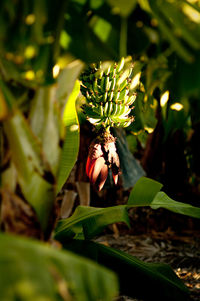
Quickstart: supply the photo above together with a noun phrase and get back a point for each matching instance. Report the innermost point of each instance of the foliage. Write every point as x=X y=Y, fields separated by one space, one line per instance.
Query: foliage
x=87 y=222
x=44 y=45
x=36 y=163
x=149 y=281
x=35 y=271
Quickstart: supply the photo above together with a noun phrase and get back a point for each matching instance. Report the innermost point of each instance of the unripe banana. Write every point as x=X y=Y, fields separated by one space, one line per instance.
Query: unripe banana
x=125 y=99
x=119 y=110
x=94 y=121
x=113 y=82
x=110 y=107
x=101 y=110
x=106 y=108
x=120 y=65
x=123 y=95
x=107 y=84
x=122 y=119
x=126 y=111
x=115 y=109
x=111 y=96
x=114 y=70
x=102 y=83
x=108 y=70
x=123 y=85
x=131 y=100
x=116 y=96
x=123 y=108
x=107 y=94
x=100 y=74
x=127 y=123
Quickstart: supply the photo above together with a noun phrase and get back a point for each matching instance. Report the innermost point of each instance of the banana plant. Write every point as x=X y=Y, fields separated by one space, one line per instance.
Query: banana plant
x=39 y=138
x=110 y=92
x=32 y=147
x=39 y=146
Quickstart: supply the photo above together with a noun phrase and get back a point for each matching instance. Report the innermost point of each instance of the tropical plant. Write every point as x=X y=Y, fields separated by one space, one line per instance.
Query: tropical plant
x=44 y=46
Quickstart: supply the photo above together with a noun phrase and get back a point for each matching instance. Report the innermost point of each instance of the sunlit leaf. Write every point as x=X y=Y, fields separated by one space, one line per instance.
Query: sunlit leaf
x=144 y=192
x=66 y=81
x=71 y=144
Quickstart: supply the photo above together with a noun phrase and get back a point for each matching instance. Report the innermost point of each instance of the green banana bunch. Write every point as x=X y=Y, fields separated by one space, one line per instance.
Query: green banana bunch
x=108 y=95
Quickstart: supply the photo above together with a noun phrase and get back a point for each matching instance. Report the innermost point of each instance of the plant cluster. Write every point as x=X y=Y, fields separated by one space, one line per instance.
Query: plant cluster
x=44 y=47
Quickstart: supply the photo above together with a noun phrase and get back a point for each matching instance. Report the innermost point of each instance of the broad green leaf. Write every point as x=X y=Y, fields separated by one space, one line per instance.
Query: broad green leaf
x=162 y=200
x=44 y=124
x=71 y=144
x=144 y=192
x=35 y=180
x=36 y=271
x=66 y=80
x=149 y=281
x=87 y=222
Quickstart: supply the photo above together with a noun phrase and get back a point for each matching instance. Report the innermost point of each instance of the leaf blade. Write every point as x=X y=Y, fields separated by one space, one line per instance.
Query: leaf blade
x=159 y=280
x=35 y=270
x=164 y=201
x=144 y=192
x=31 y=169
x=71 y=144
x=89 y=221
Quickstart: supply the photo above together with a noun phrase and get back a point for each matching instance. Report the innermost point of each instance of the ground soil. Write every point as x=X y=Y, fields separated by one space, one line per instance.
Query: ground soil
x=177 y=245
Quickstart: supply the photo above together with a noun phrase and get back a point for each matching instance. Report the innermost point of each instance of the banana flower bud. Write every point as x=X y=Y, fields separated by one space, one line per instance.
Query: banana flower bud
x=102 y=156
